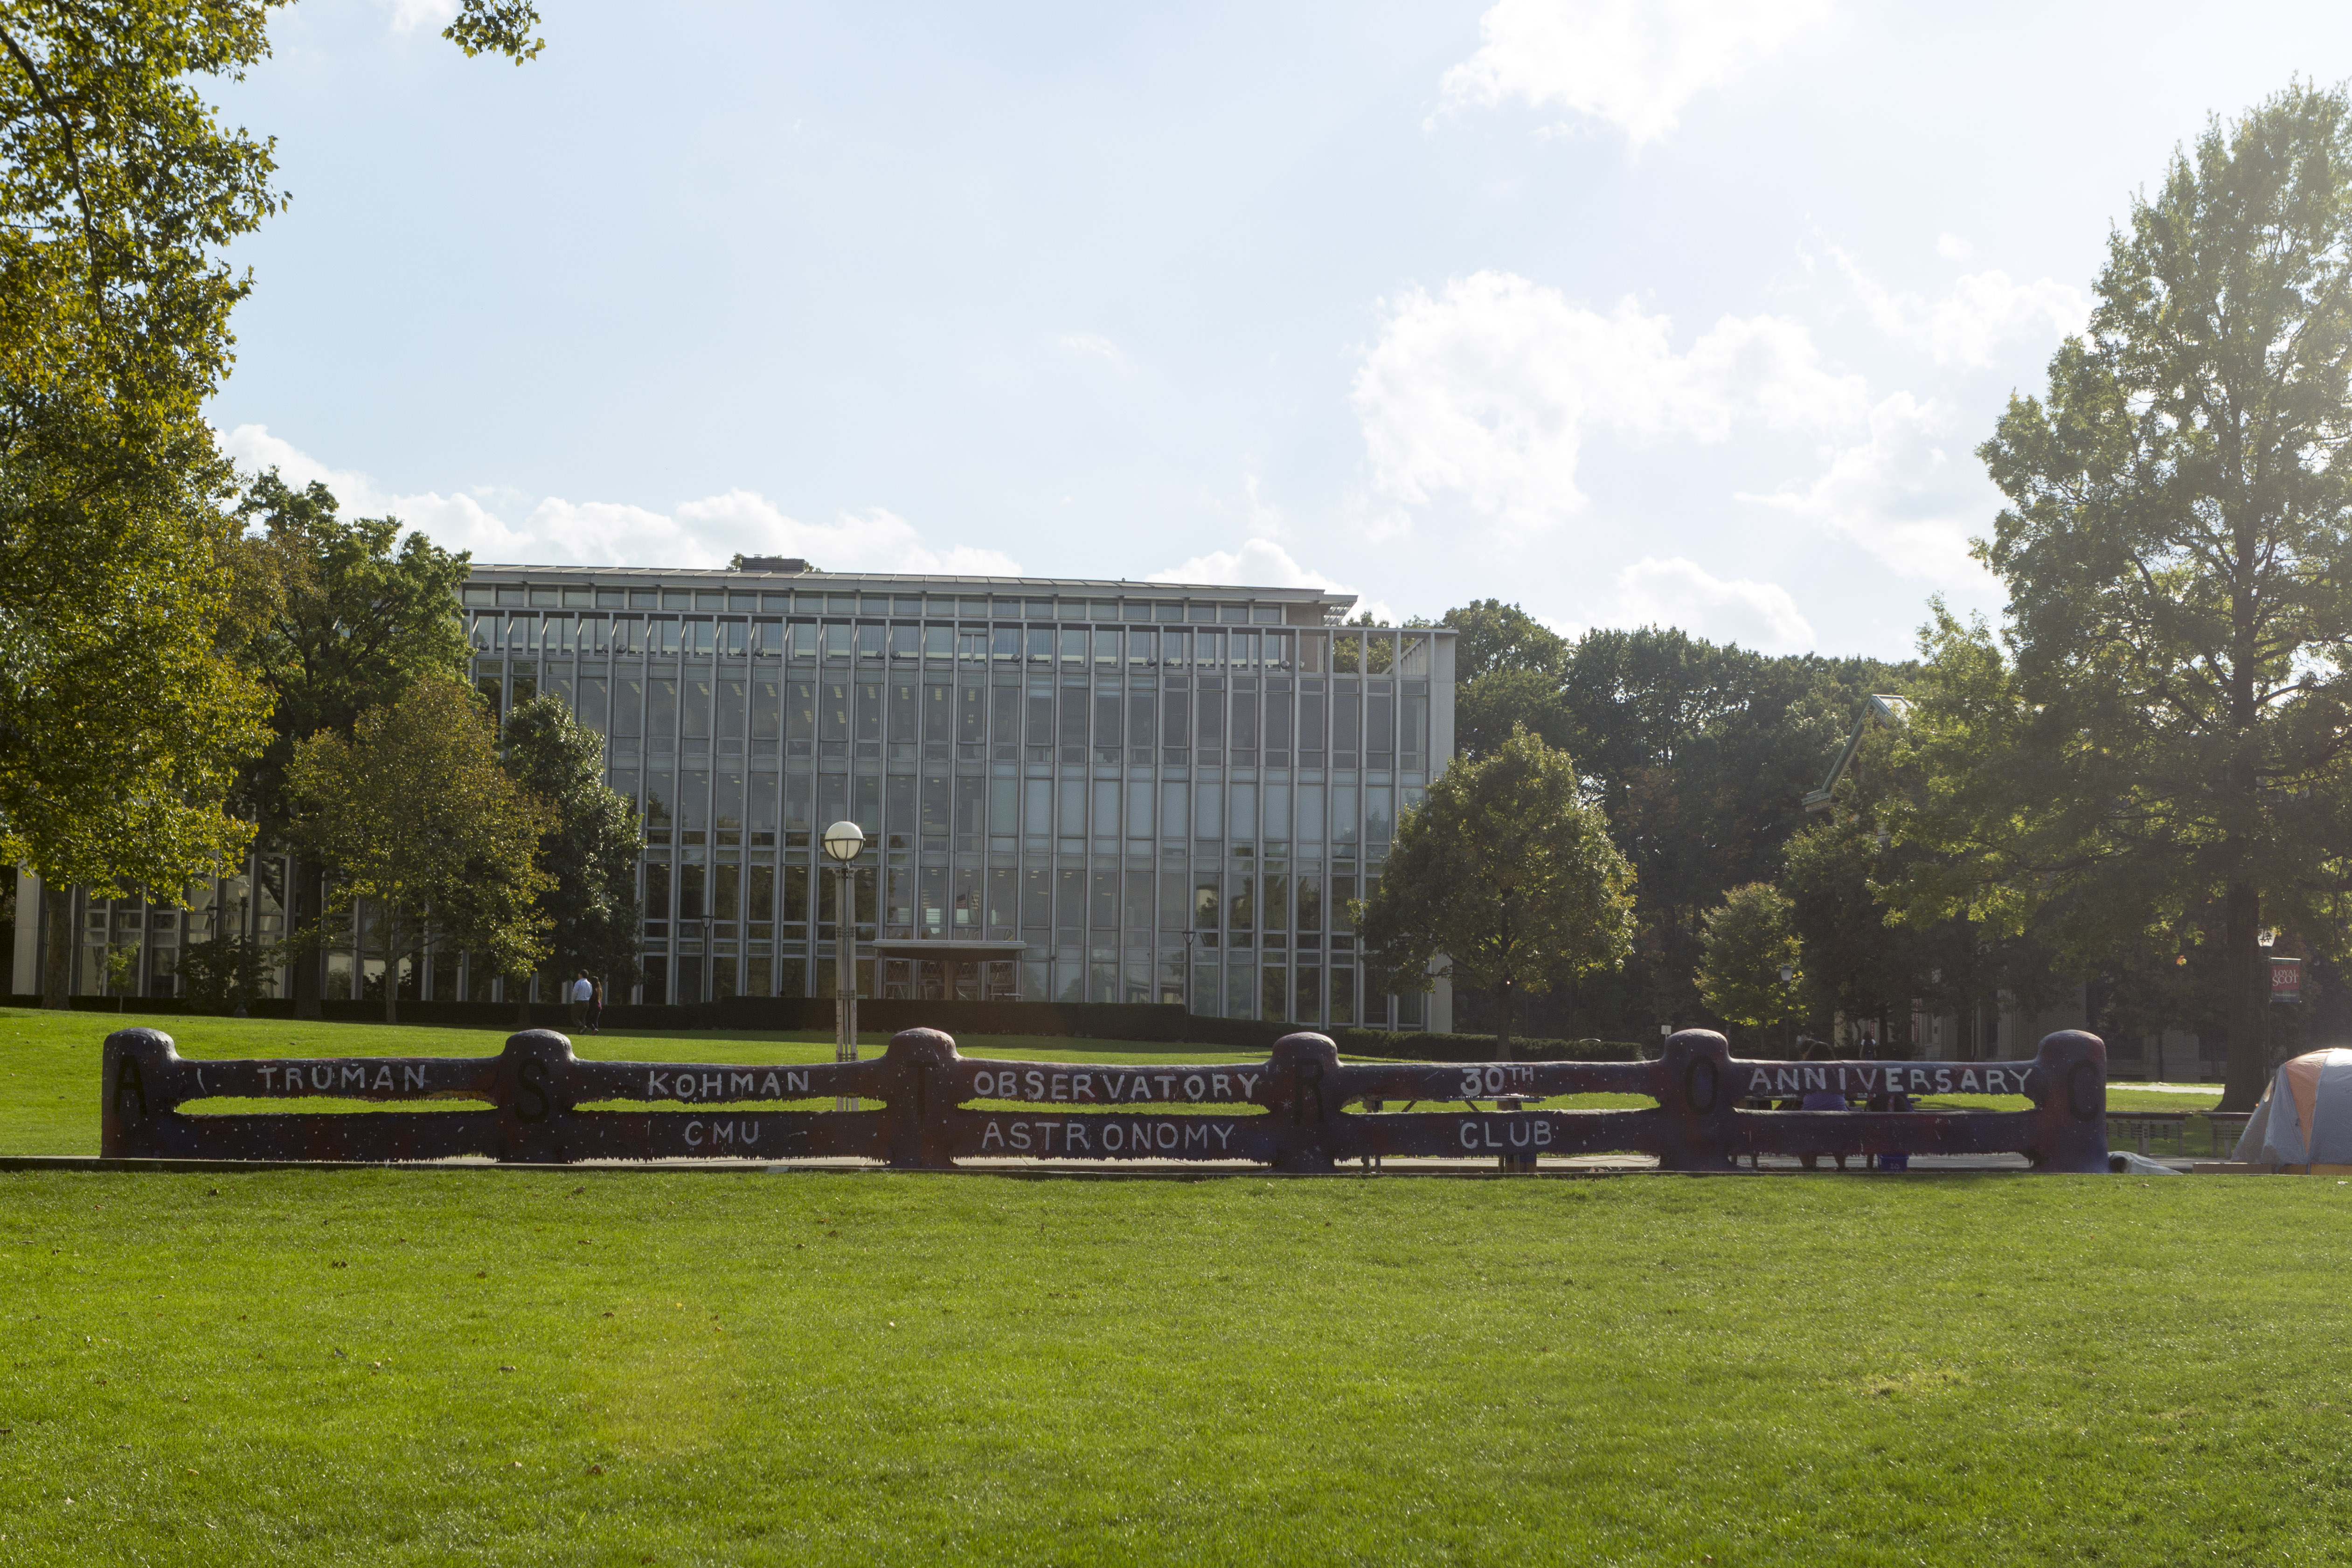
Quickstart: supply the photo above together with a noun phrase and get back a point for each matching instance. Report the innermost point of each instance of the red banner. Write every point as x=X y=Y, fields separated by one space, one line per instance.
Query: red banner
x=2286 y=980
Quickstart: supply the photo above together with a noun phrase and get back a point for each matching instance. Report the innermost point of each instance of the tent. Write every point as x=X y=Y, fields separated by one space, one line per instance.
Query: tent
x=2306 y=1116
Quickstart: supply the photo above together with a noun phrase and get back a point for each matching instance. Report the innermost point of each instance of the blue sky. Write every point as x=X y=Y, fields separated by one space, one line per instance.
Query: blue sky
x=1685 y=311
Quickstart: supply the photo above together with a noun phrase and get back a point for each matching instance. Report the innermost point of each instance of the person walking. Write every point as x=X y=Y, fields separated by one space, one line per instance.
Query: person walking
x=583 y=992
x=596 y=1009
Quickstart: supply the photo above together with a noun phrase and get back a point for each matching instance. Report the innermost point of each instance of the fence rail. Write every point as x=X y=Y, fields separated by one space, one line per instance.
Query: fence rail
x=1291 y=1111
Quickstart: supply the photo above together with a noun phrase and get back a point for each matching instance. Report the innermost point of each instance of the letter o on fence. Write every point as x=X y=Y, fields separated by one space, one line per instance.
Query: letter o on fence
x=2083 y=1094
x=1699 y=1086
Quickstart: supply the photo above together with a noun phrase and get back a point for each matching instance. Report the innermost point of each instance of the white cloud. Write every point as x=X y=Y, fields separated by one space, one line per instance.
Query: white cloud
x=554 y=532
x=1487 y=389
x=1094 y=345
x=408 y=15
x=1633 y=63
x=1259 y=515
x=1952 y=247
x=1261 y=564
x=1680 y=592
x=1983 y=311
x=1901 y=495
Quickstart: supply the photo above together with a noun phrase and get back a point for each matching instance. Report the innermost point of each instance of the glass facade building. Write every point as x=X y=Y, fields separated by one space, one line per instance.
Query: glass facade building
x=1082 y=791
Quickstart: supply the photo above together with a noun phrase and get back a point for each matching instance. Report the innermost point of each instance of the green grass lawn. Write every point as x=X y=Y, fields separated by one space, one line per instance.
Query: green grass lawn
x=609 y=1367
x=413 y=1367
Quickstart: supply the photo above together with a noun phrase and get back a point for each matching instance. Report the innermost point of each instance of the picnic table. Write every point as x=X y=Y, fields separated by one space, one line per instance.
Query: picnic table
x=2217 y=1123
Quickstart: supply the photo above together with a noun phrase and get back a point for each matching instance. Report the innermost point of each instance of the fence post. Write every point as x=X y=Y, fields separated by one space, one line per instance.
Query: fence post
x=535 y=1098
x=1698 y=1099
x=919 y=1070
x=2069 y=1086
x=125 y=1080
x=1304 y=1103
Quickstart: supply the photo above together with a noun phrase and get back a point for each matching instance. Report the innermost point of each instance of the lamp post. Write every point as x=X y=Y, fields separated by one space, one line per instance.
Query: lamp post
x=1186 y=1033
x=843 y=841
x=1787 y=972
x=2266 y=939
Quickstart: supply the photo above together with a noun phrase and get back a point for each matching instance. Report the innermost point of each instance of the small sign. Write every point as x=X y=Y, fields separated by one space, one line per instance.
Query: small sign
x=2286 y=980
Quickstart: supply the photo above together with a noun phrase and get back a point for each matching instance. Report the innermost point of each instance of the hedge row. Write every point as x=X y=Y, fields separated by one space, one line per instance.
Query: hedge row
x=1143 y=1022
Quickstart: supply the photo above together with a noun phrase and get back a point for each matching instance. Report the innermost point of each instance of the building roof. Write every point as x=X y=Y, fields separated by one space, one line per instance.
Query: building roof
x=1884 y=709
x=852 y=582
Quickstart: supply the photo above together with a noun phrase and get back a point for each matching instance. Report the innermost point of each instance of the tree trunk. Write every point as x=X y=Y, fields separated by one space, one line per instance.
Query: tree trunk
x=2248 y=1069
x=390 y=964
x=56 y=965
x=1503 y=1021
x=302 y=904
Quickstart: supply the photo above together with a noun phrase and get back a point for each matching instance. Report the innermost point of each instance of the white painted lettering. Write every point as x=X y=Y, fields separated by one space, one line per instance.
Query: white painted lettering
x=751 y=1133
x=268 y=1070
x=1165 y=1080
x=656 y=1086
x=722 y=1132
x=1194 y=1132
x=1968 y=1080
x=1082 y=1087
x=1036 y=1084
x=994 y=1135
x=1543 y=1133
x=355 y=1075
x=770 y=1088
x=1168 y=1136
x=1219 y=1087
x=1491 y=1142
x=1075 y=1138
x=713 y=1085
x=1816 y=1078
x=1020 y=1135
x=1759 y=1082
x=1519 y=1135
x=738 y=1083
x=796 y=1081
x=1469 y=1135
x=1114 y=1136
x=1249 y=1083
x=693 y=1133
x=1784 y=1080
x=322 y=1078
x=1061 y=1087
x=383 y=1079
x=1195 y=1086
x=411 y=1077
x=1142 y=1088
x=1224 y=1130
x=1943 y=1080
x=1049 y=1129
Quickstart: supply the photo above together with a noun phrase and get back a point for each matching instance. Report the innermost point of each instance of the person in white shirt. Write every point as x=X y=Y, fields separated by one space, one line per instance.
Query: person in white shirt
x=583 y=991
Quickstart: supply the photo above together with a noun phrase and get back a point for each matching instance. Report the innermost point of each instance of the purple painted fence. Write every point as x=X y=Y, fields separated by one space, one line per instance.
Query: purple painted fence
x=1299 y=1109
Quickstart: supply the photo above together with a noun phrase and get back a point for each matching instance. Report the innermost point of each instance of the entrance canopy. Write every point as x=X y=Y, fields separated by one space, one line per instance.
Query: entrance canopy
x=2306 y=1116
x=932 y=969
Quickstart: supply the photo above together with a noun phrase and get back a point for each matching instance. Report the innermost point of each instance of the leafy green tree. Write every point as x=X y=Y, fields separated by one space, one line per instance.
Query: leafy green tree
x=1744 y=943
x=339 y=616
x=121 y=971
x=1505 y=878
x=220 y=972
x=2164 y=719
x=591 y=848
x=1703 y=753
x=418 y=816
x=1487 y=709
x=120 y=188
x=1491 y=636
